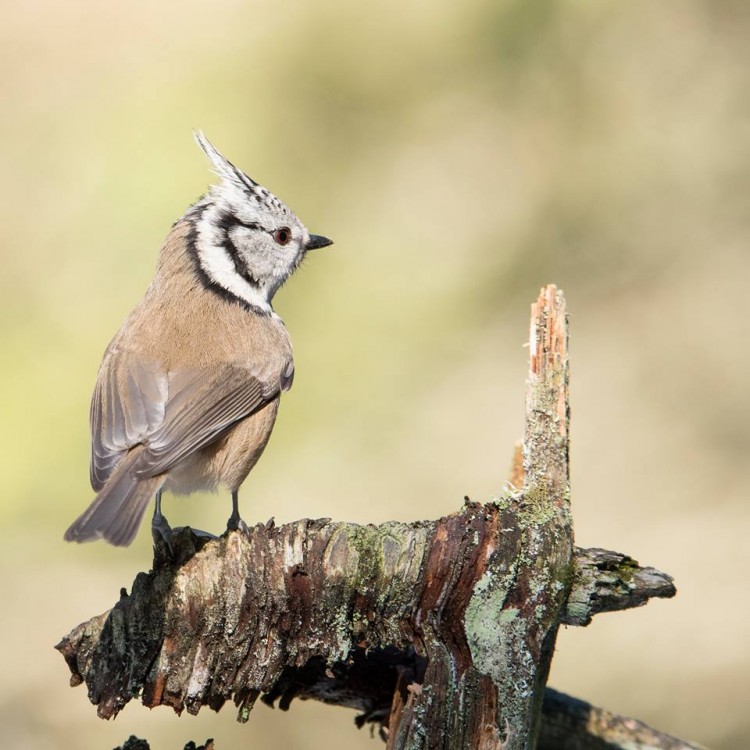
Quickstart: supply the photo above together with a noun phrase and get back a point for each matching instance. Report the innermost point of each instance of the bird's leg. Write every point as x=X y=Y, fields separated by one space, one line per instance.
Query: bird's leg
x=235 y=522
x=160 y=528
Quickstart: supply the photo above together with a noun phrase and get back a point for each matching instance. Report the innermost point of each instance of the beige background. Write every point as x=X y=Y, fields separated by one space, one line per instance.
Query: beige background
x=461 y=155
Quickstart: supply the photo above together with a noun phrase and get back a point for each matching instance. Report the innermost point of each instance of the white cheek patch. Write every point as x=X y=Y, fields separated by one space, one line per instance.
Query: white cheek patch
x=219 y=267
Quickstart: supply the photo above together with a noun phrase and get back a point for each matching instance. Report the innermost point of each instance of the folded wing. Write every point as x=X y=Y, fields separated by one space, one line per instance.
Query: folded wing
x=170 y=415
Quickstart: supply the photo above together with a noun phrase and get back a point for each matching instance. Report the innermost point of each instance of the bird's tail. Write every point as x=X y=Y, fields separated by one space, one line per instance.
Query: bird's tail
x=116 y=512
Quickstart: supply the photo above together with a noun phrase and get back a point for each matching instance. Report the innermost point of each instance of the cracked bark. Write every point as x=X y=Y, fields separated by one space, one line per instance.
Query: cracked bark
x=441 y=632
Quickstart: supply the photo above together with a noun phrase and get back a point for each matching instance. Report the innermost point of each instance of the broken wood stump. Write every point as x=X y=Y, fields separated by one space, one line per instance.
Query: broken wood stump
x=439 y=632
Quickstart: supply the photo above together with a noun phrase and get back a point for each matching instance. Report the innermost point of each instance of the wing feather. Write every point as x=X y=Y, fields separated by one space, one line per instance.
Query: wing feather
x=170 y=415
x=211 y=407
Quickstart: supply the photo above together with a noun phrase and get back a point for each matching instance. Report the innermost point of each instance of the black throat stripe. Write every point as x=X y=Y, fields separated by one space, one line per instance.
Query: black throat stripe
x=204 y=279
x=226 y=222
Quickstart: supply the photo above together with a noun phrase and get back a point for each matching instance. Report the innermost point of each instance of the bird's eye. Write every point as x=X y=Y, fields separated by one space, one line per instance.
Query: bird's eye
x=282 y=236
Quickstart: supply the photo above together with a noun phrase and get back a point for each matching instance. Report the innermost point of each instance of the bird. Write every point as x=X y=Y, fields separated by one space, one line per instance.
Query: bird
x=188 y=389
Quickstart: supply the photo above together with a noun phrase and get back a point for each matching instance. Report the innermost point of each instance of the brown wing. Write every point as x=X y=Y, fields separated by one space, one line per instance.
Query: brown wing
x=171 y=414
x=128 y=404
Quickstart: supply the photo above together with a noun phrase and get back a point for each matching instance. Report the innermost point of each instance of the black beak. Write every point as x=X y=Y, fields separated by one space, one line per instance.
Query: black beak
x=316 y=241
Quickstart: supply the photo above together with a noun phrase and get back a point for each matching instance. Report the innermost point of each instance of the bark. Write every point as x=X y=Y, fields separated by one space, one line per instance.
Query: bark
x=607 y=581
x=439 y=631
x=175 y=633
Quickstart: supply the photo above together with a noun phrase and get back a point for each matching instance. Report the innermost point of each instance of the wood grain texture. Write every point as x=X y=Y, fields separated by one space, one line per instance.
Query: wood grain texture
x=440 y=632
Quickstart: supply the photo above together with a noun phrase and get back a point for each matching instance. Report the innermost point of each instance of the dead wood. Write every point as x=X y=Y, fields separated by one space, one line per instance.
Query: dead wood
x=441 y=632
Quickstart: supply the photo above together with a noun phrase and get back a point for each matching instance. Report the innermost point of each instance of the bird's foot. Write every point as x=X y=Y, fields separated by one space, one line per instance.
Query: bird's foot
x=161 y=532
x=235 y=523
x=203 y=536
x=160 y=528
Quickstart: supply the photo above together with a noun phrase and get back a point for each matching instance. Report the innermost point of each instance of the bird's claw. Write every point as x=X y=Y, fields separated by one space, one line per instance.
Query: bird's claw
x=161 y=532
x=235 y=523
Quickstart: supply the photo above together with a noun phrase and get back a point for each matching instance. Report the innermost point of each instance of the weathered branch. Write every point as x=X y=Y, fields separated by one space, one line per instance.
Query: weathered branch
x=189 y=604
x=572 y=724
x=440 y=631
x=607 y=581
x=567 y=724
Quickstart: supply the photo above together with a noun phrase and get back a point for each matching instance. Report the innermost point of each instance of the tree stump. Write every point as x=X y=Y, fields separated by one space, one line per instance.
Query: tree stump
x=439 y=632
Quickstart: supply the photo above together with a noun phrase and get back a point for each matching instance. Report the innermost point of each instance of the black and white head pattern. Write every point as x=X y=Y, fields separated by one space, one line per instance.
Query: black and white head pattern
x=246 y=241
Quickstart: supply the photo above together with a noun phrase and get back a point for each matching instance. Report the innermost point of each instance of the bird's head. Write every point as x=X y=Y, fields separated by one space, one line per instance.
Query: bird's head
x=247 y=242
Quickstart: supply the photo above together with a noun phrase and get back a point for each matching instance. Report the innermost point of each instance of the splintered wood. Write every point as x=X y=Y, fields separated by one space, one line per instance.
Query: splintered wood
x=439 y=631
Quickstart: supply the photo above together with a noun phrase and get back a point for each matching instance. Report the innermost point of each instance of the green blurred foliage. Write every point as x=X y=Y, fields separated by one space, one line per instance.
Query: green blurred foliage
x=461 y=155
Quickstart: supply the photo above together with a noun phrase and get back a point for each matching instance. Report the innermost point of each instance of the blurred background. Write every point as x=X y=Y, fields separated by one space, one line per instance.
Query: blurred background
x=461 y=155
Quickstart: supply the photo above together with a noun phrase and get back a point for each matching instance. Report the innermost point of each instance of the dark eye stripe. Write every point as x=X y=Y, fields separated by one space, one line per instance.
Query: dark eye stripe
x=248 y=225
x=227 y=221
